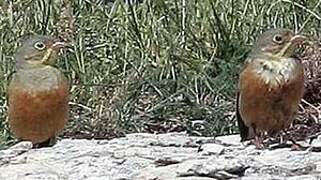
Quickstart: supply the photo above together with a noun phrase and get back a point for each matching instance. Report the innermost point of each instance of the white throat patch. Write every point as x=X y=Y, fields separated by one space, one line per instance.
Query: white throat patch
x=273 y=73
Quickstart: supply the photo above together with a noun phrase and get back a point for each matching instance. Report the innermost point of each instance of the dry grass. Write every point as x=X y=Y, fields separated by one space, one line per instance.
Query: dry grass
x=154 y=66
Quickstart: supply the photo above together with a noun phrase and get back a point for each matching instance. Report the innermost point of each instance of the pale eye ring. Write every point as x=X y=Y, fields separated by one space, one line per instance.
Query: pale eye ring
x=278 y=39
x=40 y=45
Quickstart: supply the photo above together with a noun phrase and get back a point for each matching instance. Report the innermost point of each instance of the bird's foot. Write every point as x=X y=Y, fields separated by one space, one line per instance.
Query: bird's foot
x=294 y=146
x=258 y=142
x=297 y=147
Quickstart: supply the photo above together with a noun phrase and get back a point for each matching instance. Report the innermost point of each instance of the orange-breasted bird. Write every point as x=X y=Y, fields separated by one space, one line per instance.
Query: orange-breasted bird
x=271 y=85
x=38 y=92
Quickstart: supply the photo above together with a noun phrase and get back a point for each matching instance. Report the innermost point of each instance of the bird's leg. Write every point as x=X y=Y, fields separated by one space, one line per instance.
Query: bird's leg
x=280 y=140
x=280 y=137
x=258 y=139
x=48 y=143
x=296 y=146
x=283 y=139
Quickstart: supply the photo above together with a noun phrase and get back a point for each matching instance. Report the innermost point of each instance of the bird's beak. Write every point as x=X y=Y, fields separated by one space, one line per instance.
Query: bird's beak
x=55 y=47
x=289 y=47
x=297 y=39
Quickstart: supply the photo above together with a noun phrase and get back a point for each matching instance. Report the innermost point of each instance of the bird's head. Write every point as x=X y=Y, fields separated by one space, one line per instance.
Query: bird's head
x=37 y=51
x=277 y=44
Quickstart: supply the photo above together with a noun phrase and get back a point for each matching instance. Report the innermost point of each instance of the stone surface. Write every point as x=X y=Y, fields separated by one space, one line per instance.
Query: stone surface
x=157 y=157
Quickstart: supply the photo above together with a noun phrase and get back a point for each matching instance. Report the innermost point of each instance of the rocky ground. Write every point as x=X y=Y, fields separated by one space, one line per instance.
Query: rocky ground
x=158 y=157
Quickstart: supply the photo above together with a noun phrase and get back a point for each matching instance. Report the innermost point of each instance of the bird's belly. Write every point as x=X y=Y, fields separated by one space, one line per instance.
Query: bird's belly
x=267 y=112
x=37 y=115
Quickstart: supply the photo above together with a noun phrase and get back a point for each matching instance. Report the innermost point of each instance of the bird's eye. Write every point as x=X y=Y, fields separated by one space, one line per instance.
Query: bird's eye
x=39 y=45
x=278 y=38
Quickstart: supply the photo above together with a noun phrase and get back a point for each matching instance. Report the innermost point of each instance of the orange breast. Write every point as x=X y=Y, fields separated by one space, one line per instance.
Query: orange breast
x=265 y=108
x=38 y=115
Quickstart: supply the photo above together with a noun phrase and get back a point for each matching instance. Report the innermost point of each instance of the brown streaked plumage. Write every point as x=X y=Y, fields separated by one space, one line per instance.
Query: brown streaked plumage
x=38 y=93
x=271 y=85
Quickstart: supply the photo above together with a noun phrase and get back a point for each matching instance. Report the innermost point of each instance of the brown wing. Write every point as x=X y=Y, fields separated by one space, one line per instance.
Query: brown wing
x=243 y=129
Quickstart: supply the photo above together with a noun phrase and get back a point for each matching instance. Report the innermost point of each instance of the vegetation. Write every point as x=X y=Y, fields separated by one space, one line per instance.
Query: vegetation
x=151 y=66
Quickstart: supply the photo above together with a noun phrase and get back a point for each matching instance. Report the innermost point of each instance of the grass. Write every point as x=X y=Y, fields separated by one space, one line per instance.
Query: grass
x=154 y=66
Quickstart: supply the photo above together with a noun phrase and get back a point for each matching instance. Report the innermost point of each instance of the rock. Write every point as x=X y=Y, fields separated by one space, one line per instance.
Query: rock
x=212 y=149
x=170 y=156
x=9 y=155
x=231 y=140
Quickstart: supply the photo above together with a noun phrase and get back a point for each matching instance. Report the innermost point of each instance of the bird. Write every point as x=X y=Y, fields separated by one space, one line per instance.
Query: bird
x=38 y=93
x=270 y=86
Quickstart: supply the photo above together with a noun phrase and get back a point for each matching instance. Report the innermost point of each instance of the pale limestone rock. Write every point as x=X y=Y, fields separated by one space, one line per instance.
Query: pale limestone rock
x=232 y=140
x=212 y=149
x=173 y=156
